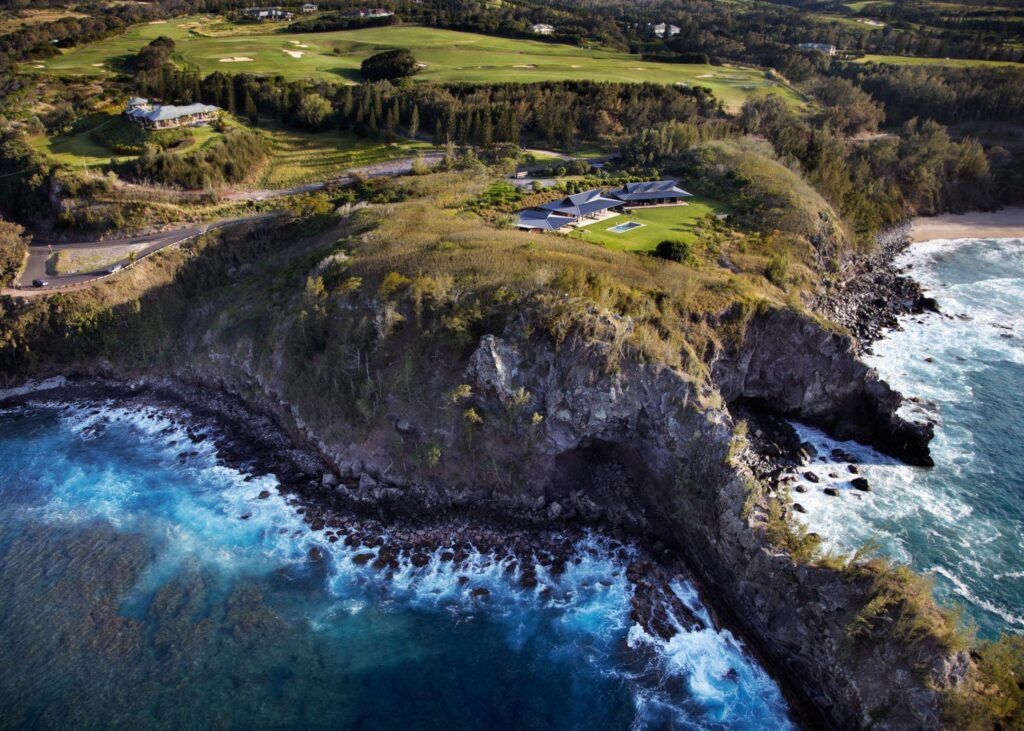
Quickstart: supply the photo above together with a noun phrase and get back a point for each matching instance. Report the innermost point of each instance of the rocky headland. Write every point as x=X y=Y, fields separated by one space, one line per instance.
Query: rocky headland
x=542 y=426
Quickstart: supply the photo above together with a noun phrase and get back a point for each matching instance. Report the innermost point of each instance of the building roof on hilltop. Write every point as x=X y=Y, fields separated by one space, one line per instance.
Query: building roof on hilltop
x=650 y=190
x=138 y=101
x=582 y=204
x=163 y=113
x=533 y=218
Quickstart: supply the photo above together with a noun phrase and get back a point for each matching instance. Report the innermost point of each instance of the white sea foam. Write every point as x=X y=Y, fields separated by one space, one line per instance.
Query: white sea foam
x=198 y=521
x=958 y=518
x=33 y=386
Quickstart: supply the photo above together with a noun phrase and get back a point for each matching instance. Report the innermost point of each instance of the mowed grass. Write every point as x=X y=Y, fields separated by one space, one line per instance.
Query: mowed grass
x=304 y=157
x=449 y=56
x=668 y=223
x=921 y=61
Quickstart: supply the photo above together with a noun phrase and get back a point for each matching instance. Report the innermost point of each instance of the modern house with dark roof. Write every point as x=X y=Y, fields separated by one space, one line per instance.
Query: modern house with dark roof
x=161 y=116
x=652 y=192
x=535 y=219
x=593 y=205
x=587 y=204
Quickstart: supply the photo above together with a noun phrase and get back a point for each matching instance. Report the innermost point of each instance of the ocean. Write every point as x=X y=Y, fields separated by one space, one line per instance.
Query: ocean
x=962 y=521
x=148 y=585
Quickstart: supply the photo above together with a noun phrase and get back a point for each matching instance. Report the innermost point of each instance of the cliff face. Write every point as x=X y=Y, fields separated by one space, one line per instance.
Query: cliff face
x=790 y=366
x=600 y=437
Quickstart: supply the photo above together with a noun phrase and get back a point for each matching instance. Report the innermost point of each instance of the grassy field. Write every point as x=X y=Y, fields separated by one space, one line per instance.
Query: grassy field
x=448 y=55
x=919 y=61
x=670 y=223
x=76 y=261
x=81 y=150
x=12 y=21
x=303 y=157
x=849 y=21
x=295 y=157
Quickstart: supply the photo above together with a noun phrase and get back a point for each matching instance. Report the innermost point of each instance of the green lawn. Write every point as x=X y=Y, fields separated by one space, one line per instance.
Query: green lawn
x=448 y=56
x=852 y=22
x=81 y=150
x=295 y=157
x=920 y=61
x=669 y=223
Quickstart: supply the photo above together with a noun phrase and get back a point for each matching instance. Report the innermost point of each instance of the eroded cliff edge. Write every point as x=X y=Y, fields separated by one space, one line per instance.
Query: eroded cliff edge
x=546 y=407
x=583 y=429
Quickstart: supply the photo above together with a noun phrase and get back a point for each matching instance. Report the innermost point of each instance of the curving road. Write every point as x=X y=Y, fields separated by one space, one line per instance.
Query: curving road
x=40 y=251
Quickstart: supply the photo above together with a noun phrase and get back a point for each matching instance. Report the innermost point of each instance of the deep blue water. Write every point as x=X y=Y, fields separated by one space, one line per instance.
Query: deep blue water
x=962 y=520
x=133 y=594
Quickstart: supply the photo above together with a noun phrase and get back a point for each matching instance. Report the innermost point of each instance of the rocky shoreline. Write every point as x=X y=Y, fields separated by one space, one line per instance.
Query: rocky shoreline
x=652 y=463
x=390 y=537
x=871 y=296
x=868 y=301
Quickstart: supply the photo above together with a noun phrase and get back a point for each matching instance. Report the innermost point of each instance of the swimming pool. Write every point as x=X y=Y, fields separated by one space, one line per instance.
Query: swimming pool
x=623 y=227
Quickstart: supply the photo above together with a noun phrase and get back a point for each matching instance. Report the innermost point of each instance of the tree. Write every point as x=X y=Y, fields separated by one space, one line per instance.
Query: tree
x=313 y=111
x=250 y=108
x=13 y=245
x=414 y=121
x=388 y=65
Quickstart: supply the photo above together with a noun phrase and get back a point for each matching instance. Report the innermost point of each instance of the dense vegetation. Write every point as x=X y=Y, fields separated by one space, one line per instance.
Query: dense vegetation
x=338 y=21
x=231 y=159
x=389 y=65
x=13 y=246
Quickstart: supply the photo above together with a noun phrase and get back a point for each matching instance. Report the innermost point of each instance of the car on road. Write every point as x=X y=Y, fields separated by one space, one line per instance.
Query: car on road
x=40 y=283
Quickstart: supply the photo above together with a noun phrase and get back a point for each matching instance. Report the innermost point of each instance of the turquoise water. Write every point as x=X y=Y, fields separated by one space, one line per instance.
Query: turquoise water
x=144 y=589
x=962 y=520
x=623 y=227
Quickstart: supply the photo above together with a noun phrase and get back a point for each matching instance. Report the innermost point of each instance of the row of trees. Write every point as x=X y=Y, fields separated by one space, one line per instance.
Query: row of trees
x=554 y=113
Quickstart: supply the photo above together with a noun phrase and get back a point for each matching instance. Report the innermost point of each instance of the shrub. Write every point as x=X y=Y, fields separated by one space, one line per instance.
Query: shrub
x=389 y=65
x=993 y=696
x=392 y=283
x=680 y=251
x=777 y=270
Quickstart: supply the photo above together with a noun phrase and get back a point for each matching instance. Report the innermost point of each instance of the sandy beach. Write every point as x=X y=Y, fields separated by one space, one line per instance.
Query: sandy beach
x=1002 y=224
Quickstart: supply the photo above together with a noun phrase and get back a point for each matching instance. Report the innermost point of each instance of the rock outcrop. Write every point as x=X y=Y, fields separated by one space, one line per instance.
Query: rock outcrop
x=791 y=366
x=679 y=483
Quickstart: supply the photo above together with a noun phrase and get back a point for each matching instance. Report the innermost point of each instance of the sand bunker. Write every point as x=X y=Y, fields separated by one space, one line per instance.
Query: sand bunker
x=299 y=44
x=524 y=66
x=706 y=76
x=576 y=66
x=638 y=68
x=293 y=54
x=236 y=59
x=157 y=22
x=96 y=64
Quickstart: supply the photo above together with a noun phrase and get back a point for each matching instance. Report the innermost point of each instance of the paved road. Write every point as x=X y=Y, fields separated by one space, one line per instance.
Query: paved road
x=40 y=251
